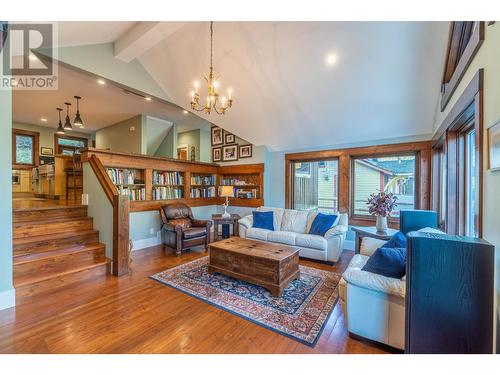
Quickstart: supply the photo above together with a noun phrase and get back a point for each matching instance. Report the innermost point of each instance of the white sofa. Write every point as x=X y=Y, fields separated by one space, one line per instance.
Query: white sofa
x=291 y=227
x=373 y=305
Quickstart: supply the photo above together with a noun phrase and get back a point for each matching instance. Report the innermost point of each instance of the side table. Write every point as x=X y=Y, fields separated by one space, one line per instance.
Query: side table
x=370 y=232
x=225 y=222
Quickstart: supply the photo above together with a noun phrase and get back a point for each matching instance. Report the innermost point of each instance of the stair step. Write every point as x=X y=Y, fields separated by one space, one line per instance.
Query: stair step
x=46 y=213
x=34 y=228
x=54 y=241
x=36 y=257
x=30 y=279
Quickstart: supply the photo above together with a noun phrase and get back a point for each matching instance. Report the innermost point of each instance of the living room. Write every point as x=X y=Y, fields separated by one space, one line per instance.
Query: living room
x=206 y=187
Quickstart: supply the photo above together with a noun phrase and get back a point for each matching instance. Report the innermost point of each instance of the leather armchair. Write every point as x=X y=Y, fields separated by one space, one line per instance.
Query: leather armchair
x=182 y=230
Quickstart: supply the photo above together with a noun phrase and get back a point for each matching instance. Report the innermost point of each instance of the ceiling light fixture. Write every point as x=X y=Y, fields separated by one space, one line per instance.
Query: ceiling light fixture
x=331 y=59
x=148 y=98
x=212 y=102
x=78 y=120
x=60 y=129
x=185 y=112
x=101 y=81
x=43 y=119
x=67 y=124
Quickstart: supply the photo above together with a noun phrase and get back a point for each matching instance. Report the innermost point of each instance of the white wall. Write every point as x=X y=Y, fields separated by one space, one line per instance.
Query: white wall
x=488 y=57
x=7 y=293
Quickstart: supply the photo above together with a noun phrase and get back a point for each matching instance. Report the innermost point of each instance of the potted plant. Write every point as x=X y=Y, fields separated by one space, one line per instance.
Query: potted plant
x=381 y=205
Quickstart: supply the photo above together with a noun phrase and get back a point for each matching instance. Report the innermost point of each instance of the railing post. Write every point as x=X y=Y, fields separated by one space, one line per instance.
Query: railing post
x=121 y=207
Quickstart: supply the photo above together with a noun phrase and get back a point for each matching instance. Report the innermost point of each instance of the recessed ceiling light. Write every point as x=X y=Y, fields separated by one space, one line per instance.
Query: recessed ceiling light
x=43 y=119
x=101 y=81
x=148 y=98
x=185 y=112
x=331 y=59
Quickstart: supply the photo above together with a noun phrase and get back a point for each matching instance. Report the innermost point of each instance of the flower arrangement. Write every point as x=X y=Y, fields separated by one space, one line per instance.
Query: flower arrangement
x=381 y=204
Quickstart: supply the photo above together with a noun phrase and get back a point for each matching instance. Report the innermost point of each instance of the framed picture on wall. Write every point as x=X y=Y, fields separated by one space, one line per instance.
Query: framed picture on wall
x=46 y=151
x=245 y=151
x=229 y=138
x=217 y=154
x=230 y=153
x=217 y=136
x=494 y=146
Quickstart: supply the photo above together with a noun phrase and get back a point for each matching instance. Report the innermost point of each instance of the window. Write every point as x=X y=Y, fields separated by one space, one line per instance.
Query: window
x=24 y=148
x=464 y=41
x=471 y=185
x=67 y=145
x=315 y=185
x=391 y=174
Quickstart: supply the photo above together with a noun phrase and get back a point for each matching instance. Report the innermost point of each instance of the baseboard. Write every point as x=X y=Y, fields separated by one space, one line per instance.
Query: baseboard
x=147 y=242
x=7 y=299
x=349 y=245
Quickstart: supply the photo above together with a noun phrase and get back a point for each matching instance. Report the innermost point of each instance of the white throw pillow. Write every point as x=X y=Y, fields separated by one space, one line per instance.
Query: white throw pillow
x=294 y=221
x=369 y=245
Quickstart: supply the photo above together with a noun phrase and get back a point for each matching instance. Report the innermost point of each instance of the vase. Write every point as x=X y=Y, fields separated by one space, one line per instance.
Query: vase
x=381 y=224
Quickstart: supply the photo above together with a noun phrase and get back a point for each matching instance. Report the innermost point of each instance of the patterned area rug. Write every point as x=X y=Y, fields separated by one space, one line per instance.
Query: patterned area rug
x=300 y=313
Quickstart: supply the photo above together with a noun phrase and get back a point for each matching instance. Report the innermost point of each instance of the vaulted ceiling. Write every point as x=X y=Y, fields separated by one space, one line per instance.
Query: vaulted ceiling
x=384 y=82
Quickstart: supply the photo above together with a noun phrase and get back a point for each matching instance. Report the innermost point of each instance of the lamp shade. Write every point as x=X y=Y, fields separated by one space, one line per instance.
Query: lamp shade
x=227 y=191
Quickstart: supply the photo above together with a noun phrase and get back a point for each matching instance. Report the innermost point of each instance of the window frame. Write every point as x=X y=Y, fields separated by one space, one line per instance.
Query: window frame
x=58 y=148
x=355 y=216
x=459 y=55
x=35 y=152
x=466 y=113
x=292 y=178
x=422 y=169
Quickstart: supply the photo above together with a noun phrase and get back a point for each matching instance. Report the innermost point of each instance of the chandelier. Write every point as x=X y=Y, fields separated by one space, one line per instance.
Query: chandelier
x=213 y=102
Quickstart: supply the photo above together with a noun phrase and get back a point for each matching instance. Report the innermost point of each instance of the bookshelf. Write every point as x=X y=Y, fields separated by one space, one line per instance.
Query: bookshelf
x=168 y=185
x=128 y=182
x=203 y=185
x=153 y=181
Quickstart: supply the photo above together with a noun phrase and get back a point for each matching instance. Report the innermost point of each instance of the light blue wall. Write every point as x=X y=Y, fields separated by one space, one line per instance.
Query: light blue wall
x=7 y=294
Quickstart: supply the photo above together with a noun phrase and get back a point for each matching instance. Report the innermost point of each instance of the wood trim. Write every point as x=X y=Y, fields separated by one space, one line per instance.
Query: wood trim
x=463 y=103
x=345 y=158
x=36 y=148
x=103 y=178
x=475 y=42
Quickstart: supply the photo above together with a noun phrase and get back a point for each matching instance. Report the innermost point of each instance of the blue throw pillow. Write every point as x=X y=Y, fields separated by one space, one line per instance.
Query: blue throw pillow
x=322 y=223
x=263 y=220
x=386 y=261
x=398 y=240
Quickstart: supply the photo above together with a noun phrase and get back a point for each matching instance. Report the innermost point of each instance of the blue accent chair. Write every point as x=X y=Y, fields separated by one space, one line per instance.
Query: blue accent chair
x=412 y=220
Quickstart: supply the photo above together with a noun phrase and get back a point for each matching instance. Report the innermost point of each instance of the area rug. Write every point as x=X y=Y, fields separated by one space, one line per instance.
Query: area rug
x=300 y=313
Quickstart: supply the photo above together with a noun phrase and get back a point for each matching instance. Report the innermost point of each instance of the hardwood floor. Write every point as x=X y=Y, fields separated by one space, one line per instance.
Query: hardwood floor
x=134 y=314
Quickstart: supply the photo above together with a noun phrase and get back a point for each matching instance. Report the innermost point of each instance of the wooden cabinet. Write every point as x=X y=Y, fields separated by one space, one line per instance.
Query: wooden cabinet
x=24 y=181
x=449 y=294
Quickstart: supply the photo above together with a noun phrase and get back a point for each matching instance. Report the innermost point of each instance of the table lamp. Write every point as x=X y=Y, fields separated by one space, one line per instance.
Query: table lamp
x=226 y=191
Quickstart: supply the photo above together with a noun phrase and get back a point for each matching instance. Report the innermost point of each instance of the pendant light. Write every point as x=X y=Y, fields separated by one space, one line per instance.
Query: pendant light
x=60 y=129
x=67 y=124
x=78 y=120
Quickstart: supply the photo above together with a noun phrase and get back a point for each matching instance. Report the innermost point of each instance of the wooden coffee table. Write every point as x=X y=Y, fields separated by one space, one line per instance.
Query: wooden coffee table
x=272 y=266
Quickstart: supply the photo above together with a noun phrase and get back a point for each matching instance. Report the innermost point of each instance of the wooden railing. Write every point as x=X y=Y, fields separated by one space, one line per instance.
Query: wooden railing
x=121 y=209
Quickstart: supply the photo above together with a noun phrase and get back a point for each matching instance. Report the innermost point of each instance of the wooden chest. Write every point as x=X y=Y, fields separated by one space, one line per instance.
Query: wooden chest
x=272 y=266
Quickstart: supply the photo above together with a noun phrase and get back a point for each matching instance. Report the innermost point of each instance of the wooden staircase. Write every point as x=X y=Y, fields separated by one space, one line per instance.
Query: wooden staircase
x=55 y=244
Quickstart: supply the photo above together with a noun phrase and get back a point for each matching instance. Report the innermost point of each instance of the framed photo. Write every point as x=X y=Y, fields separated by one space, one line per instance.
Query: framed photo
x=46 y=151
x=217 y=136
x=229 y=138
x=494 y=146
x=217 y=154
x=245 y=151
x=230 y=153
